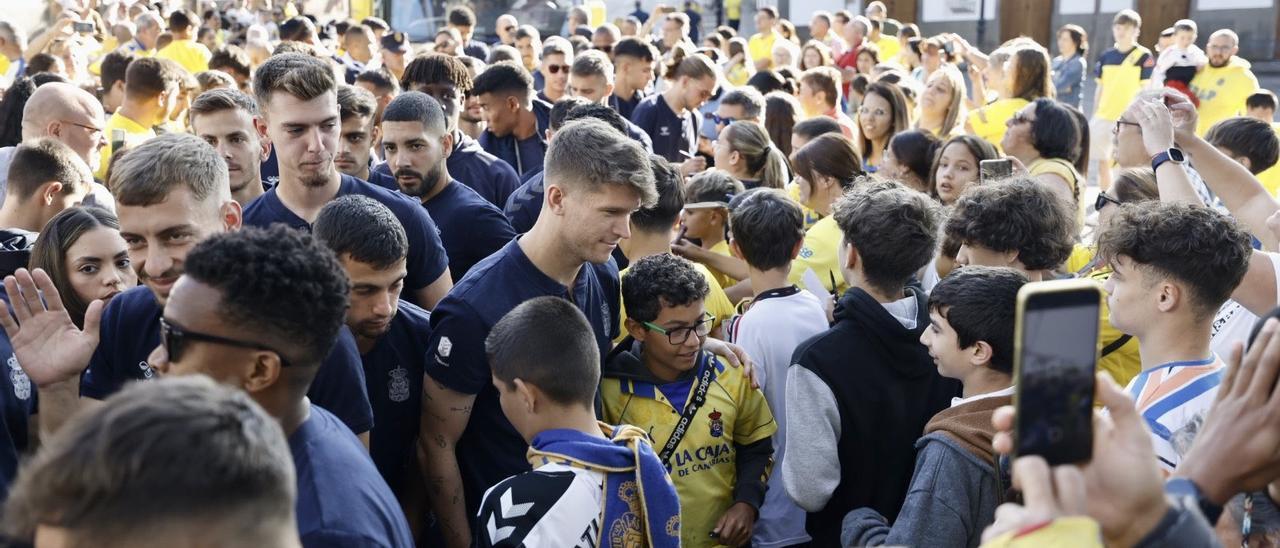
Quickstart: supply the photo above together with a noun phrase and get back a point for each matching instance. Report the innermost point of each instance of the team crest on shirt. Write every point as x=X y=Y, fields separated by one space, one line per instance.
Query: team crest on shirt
x=21 y=384
x=398 y=386
x=664 y=131
x=717 y=425
x=805 y=252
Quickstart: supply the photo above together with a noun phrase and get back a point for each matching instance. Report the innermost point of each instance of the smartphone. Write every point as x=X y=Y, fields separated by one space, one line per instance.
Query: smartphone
x=1055 y=356
x=84 y=27
x=993 y=170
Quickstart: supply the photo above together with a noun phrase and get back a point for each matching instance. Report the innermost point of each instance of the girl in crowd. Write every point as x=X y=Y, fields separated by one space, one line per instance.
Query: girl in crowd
x=83 y=253
x=706 y=219
x=739 y=68
x=909 y=158
x=782 y=111
x=825 y=169
x=745 y=152
x=1025 y=79
x=942 y=109
x=883 y=113
x=1047 y=138
x=868 y=58
x=1069 y=67
x=815 y=54
x=956 y=166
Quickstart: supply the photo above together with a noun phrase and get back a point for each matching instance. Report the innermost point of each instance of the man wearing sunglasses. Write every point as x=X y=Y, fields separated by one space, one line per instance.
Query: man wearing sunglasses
x=557 y=59
x=712 y=429
x=258 y=310
x=173 y=193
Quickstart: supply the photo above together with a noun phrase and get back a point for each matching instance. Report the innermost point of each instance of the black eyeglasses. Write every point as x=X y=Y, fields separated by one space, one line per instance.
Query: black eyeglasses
x=554 y=69
x=722 y=120
x=174 y=337
x=1103 y=200
x=679 y=335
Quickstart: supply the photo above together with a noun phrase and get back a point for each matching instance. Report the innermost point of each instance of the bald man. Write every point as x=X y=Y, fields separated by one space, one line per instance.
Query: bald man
x=70 y=115
x=505 y=27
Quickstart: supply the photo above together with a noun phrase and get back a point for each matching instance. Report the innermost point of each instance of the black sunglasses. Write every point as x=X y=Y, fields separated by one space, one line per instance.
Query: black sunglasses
x=1102 y=201
x=173 y=338
x=606 y=48
x=722 y=120
x=555 y=69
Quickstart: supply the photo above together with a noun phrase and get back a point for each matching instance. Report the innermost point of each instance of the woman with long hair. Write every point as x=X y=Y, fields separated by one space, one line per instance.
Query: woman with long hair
x=883 y=113
x=782 y=111
x=815 y=54
x=825 y=168
x=745 y=151
x=941 y=106
x=1069 y=67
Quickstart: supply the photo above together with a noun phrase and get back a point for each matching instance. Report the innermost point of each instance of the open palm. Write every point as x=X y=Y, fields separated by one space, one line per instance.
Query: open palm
x=49 y=347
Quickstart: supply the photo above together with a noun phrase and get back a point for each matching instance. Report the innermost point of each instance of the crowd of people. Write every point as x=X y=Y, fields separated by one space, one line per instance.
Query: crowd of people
x=279 y=281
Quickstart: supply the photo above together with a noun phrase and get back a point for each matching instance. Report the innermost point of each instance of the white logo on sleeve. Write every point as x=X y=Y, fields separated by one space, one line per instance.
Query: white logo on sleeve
x=21 y=384
x=444 y=348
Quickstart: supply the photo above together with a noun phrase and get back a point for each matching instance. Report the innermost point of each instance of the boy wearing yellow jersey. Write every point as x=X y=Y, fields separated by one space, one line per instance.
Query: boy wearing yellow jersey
x=1121 y=71
x=713 y=430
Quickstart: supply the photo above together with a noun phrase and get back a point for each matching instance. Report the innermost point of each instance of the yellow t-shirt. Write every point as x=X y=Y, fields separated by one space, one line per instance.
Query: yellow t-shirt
x=716 y=303
x=1123 y=363
x=1270 y=178
x=704 y=464
x=761 y=46
x=1064 y=169
x=820 y=253
x=1222 y=92
x=192 y=55
x=134 y=135
x=988 y=123
x=889 y=48
x=738 y=74
x=1121 y=77
x=733 y=9
x=725 y=280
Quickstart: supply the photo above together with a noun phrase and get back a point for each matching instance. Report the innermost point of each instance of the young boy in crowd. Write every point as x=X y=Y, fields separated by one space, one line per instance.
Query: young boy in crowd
x=853 y=429
x=546 y=368
x=714 y=430
x=706 y=214
x=1173 y=267
x=1178 y=64
x=1250 y=142
x=1261 y=105
x=768 y=230
x=957 y=483
x=1121 y=71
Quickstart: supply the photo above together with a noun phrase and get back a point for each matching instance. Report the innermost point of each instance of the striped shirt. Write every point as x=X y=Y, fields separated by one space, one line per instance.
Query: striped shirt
x=1172 y=398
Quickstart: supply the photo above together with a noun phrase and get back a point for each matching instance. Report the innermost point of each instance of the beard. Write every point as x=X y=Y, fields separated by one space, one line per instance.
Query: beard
x=371 y=329
x=421 y=185
x=1216 y=64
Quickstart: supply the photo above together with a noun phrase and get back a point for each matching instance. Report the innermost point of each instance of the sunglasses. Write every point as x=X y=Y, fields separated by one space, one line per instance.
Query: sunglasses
x=607 y=48
x=555 y=69
x=1103 y=200
x=722 y=120
x=174 y=338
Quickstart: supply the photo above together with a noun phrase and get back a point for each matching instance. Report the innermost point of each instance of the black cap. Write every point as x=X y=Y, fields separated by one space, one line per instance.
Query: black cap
x=395 y=41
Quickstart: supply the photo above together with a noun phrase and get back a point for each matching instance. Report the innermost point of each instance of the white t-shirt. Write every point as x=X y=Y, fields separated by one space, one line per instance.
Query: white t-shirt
x=777 y=322
x=1234 y=322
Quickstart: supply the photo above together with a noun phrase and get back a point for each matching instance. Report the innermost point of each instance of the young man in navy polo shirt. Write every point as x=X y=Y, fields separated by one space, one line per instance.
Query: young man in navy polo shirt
x=634 y=63
x=359 y=131
x=172 y=192
x=300 y=115
x=258 y=309
x=517 y=120
x=417 y=145
x=448 y=80
x=595 y=178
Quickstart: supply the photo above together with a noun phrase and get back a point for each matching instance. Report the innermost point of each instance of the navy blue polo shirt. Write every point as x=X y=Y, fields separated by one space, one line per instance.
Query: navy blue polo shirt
x=470 y=227
x=427 y=259
x=525 y=155
x=490 y=449
x=18 y=401
x=270 y=169
x=525 y=204
x=393 y=371
x=625 y=107
x=491 y=178
x=670 y=132
x=131 y=330
x=342 y=501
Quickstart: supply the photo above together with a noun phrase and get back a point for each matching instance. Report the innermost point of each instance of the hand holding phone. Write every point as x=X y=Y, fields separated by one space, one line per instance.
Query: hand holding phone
x=83 y=27
x=1056 y=341
x=994 y=170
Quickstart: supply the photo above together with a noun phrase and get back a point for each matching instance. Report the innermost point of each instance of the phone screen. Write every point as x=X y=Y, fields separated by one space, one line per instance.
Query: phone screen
x=992 y=170
x=1056 y=376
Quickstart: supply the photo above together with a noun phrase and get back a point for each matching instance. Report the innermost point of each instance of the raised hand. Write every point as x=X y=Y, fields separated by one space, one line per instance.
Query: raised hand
x=49 y=347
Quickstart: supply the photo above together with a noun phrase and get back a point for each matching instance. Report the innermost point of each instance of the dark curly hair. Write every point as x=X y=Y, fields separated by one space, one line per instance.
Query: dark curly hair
x=894 y=229
x=659 y=281
x=980 y=303
x=1195 y=245
x=436 y=68
x=362 y=228
x=15 y=99
x=1016 y=214
x=281 y=283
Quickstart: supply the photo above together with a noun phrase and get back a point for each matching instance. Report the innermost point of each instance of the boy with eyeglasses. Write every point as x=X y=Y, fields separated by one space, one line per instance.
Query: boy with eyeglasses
x=713 y=430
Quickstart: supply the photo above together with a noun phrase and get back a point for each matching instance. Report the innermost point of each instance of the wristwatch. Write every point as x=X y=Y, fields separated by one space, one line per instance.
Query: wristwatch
x=1172 y=155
